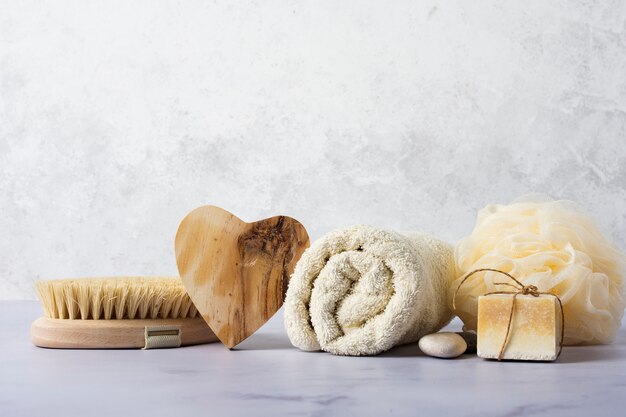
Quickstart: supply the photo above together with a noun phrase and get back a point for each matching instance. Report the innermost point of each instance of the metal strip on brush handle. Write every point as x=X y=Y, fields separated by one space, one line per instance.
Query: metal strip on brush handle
x=158 y=337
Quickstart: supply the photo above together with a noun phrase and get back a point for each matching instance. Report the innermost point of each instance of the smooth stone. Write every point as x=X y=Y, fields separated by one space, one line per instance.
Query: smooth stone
x=443 y=345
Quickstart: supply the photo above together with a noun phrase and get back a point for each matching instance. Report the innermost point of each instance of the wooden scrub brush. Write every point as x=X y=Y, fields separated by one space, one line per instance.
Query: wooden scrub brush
x=119 y=312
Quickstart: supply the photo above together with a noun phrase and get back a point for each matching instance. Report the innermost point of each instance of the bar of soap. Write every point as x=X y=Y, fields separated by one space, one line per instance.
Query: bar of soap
x=535 y=329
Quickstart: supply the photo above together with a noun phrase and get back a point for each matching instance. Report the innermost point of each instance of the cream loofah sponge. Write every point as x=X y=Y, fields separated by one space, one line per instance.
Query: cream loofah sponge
x=558 y=248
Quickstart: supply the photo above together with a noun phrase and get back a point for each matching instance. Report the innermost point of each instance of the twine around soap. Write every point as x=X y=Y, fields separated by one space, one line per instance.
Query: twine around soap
x=521 y=289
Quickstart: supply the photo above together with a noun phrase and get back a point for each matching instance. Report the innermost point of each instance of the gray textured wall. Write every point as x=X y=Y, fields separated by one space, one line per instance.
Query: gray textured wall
x=117 y=118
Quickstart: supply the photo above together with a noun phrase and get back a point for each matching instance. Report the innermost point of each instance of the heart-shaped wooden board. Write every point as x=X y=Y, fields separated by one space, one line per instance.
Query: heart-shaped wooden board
x=236 y=273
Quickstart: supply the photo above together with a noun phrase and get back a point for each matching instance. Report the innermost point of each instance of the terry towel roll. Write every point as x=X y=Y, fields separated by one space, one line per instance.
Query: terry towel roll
x=362 y=290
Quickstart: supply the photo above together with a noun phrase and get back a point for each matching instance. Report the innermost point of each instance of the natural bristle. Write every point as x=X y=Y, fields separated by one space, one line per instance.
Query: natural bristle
x=115 y=298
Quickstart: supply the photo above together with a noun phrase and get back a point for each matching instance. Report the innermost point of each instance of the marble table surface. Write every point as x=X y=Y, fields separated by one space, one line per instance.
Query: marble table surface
x=265 y=375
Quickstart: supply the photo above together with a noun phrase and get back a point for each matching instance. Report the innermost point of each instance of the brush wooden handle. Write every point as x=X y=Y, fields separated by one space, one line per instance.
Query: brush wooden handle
x=112 y=334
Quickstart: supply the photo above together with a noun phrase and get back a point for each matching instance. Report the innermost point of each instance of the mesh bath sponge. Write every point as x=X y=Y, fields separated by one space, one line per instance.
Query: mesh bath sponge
x=555 y=246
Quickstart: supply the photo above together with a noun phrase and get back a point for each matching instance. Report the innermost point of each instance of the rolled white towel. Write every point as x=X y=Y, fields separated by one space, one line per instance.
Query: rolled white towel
x=362 y=290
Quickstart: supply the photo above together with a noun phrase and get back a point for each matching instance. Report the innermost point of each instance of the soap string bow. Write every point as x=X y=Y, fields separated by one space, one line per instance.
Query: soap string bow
x=520 y=289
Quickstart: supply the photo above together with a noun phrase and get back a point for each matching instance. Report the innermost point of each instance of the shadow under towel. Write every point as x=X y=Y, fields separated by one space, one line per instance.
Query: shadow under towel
x=362 y=290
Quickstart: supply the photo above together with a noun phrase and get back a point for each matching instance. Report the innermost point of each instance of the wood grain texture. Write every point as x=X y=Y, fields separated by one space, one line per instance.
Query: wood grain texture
x=112 y=334
x=236 y=273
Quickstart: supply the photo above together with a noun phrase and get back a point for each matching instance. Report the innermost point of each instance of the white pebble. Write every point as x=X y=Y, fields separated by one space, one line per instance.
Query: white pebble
x=443 y=345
